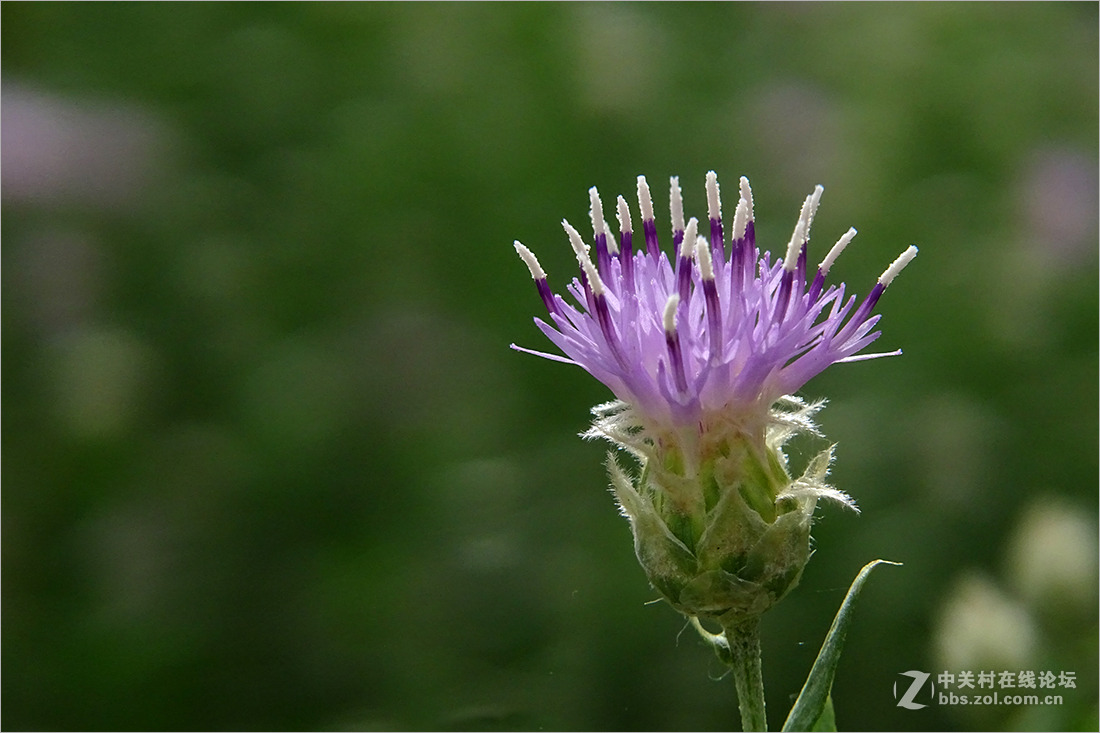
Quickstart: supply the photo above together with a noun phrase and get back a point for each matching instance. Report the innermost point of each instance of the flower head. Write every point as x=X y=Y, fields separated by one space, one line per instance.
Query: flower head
x=717 y=329
x=703 y=351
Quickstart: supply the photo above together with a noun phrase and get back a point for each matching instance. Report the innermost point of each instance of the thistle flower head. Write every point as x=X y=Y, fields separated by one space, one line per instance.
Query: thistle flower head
x=712 y=329
x=703 y=347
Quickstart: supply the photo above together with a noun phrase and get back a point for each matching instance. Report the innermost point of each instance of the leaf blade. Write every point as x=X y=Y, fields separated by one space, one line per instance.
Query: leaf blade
x=814 y=702
x=826 y=722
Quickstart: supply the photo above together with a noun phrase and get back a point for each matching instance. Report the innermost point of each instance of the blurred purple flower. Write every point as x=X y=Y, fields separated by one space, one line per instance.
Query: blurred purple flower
x=63 y=150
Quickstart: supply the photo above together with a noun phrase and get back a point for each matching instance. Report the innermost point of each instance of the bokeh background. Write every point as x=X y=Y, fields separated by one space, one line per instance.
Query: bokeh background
x=269 y=462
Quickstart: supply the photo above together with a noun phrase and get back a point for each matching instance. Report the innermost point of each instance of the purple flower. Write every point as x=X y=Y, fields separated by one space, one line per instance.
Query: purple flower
x=719 y=332
x=704 y=352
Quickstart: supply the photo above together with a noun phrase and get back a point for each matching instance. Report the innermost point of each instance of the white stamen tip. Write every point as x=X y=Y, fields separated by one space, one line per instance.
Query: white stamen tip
x=714 y=200
x=740 y=219
x=676 y=203
x=670 y=314
x=645 y=199
x=746 y=195
x=594 y=280
x=581 y=250
x=623 y=214
x=806 y=213
x=898 y=265
x=827 y=263
x=810 y=209
x=596 y=211
x=688 y=245
x=612 y=243
x=703 y=257
x=528 y=257
x=798 y=238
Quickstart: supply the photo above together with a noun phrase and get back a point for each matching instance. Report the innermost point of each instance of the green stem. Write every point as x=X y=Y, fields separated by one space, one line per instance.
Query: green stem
x=744 y=649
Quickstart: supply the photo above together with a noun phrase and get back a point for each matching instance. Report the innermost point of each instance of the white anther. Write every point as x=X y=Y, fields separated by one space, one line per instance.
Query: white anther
x=594 y=280
x=596 y=211
x=790 y=261
x=740 y=219
x=841 y=243
x=670 y=314
x=714 y=201
x=625 y=224
x=581 y=250
x=703 y=257
x=687 y=246
x=801 y=233
x=532 y=263
x=612 y=243
x=809 y=209
x=645 y=200
x=676 y=204
x=898 y=265
x=746 y=194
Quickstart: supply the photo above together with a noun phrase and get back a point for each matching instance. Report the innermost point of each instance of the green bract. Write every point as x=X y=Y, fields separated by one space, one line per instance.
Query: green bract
x=720 y=527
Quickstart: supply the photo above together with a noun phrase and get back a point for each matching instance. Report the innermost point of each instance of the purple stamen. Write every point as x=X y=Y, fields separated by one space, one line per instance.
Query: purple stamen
x=649 y=228
x=603 y=256
x=603 y=316
x=815 y=286
x=672 y=343
x=748 y=255
x=683 y=260
x=800 y=268
x=750 y=238
x=714 y=320
x=626 y=260
x=674 y=355
x=547 y=295
x=862 y=312
x=717 y=244
x=683 y=276
x=784 y=296
x=872 y=299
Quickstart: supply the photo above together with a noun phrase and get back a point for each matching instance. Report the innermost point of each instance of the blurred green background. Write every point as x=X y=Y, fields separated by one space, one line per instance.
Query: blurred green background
x=270 y=464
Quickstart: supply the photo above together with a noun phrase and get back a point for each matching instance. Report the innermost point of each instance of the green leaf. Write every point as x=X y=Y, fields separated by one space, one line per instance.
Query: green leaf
x=813 y=710
x=827 y=720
